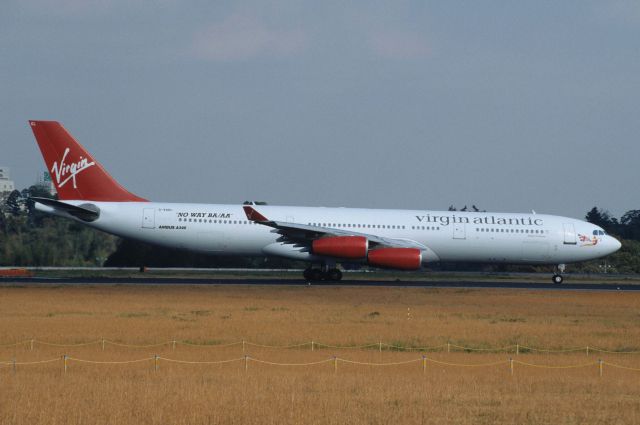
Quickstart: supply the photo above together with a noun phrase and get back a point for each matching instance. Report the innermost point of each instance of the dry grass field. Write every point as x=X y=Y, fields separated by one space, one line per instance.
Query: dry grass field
x=178 y=393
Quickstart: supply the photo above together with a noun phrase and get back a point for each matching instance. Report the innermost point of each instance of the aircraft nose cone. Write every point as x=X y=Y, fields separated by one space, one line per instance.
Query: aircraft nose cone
x=618 y=244
x=615 y=244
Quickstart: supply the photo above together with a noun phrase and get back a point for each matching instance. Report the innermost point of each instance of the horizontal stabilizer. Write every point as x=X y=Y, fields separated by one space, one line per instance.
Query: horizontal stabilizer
x=85 y=212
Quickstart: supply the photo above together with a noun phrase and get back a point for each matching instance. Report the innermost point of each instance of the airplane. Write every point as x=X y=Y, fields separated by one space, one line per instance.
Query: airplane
x=324 y=237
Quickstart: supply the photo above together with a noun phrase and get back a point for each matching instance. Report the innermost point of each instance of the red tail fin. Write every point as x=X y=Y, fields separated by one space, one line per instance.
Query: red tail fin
x=75 y=174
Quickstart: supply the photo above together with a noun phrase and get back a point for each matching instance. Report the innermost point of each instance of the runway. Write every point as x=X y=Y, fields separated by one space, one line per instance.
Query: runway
x=488 y=284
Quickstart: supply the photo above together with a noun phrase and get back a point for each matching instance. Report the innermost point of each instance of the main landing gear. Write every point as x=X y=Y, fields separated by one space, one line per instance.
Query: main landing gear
x=328 y=274
x=557 y=277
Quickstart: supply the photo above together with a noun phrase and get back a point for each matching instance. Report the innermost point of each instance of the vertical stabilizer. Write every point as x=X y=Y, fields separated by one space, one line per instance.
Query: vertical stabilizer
x=74 y=172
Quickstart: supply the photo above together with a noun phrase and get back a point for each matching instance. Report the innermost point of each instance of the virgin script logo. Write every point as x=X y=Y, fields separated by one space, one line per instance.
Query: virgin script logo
x=64 y=172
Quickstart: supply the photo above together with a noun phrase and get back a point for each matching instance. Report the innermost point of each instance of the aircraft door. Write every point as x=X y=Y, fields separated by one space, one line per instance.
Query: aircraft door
x=459 y=231
x=148 y=218
x=569 y=234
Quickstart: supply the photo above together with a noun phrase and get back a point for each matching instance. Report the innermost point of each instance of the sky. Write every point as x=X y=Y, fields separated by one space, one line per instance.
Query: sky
x=510 y=106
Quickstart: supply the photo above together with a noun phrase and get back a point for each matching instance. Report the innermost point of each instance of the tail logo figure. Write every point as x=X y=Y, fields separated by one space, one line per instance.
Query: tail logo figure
x=69 y=171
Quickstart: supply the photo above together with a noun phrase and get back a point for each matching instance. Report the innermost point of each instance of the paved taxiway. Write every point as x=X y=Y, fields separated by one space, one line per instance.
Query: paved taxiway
x=567 y=286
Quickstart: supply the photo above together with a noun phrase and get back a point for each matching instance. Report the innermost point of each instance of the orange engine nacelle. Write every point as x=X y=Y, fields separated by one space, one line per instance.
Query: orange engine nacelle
x=396 y=258
x=341 y=246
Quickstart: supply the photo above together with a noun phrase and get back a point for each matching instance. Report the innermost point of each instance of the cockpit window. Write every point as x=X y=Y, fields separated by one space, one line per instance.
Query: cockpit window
x=595 y=232
x=599 y=233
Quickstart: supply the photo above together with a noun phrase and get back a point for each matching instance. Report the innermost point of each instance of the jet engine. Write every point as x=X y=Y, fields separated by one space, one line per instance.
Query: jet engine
x=341 y=246
x=396 y=258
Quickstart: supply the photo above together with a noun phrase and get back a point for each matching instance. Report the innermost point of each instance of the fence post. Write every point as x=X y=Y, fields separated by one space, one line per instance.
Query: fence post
x=246 y=363
x=448 y=347
x=174 y=345
x=243 y=344
x=156 y=362
x=64 y=359
x=511 y=365
x=587 y=350
x=335 y=364
x=312 y=347
x=380 y=346
x=424 y=364
x=517 y=349
x=600 y=364
x=31 y=345
x=102 y=344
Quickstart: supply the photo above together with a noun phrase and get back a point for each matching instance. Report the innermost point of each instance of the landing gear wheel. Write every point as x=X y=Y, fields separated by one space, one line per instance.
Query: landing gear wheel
x=315 y=275
x=307 y=274
x=333 y=275
x=557 y=279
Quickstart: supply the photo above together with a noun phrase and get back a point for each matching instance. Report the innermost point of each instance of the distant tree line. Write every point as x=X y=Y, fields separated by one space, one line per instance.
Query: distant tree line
x=31 y=238
x=628 y=227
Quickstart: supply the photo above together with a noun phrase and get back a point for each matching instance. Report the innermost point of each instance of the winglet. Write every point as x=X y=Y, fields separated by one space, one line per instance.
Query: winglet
x=254 y=215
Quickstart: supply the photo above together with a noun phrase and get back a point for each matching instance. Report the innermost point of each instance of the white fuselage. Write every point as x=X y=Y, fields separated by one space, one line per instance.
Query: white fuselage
x=446 y=235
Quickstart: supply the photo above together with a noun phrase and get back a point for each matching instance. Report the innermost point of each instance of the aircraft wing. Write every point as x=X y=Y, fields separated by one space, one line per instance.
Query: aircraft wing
x=301 y=235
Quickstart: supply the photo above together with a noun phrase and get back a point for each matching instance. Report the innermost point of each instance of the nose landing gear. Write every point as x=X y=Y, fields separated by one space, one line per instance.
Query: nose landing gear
x=557 y=277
